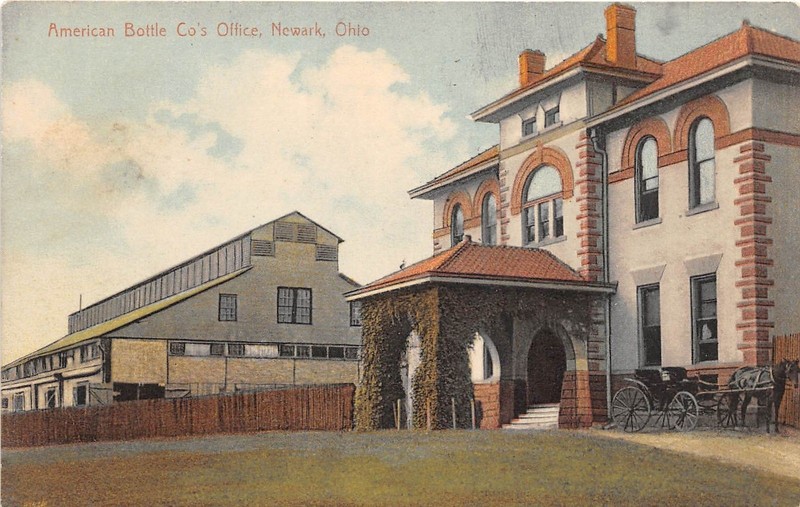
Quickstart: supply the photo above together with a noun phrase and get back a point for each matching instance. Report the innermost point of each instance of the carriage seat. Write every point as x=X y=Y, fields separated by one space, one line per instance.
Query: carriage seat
x=648 y=377
x=673 y=373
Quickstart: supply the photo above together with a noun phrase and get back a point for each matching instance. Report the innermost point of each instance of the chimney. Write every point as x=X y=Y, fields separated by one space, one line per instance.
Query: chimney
x=531 y=66
x=621 y=35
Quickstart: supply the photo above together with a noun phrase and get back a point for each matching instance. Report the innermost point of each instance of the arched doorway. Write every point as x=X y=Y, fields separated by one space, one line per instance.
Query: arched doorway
x=547 y=362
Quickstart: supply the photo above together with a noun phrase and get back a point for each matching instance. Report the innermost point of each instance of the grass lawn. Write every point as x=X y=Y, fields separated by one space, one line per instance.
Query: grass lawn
x=383 y=468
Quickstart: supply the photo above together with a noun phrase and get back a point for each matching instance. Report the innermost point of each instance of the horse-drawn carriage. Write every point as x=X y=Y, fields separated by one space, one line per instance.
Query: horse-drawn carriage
x=677 y=401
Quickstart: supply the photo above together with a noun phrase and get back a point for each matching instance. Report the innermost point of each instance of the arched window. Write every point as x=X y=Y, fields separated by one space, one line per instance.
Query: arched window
x=701 y=163
x=489 y=220
x=543 y=206
x=646 y=180
x=457 y=224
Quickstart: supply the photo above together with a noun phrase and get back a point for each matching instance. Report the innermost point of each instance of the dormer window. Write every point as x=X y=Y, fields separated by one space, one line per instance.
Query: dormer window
x=552 y=117
x=529 y=127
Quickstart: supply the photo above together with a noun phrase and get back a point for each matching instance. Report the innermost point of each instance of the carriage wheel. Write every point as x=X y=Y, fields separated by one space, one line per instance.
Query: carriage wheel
x=726 y=412
x=683 y=411
x=630 y=409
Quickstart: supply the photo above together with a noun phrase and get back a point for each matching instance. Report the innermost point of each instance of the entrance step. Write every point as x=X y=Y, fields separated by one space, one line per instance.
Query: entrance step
x=538 y=417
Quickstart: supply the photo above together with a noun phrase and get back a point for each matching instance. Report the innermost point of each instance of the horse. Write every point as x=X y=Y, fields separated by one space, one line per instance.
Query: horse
x=765 y=383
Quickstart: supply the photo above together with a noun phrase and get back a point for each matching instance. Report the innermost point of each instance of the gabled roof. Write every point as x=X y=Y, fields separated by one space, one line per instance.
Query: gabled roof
x=483 y=160
x=748 y=40
x=469 y=262
x=591 y=58
x=124 y=319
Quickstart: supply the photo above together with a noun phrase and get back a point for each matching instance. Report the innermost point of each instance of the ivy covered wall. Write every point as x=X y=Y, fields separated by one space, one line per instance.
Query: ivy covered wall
x=446 y=318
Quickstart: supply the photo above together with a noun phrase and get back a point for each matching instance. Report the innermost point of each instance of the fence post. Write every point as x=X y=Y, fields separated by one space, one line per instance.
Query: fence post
x=453 y=411
x=399 y=414
x=472 y=408
x=428 y=412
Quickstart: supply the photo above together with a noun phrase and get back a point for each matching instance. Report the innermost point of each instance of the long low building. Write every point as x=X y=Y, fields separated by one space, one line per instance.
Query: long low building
x=264 y=309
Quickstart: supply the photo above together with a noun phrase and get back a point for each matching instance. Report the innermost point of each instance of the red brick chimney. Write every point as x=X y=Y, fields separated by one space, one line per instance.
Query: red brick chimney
x=621 y=35
x=531 y=66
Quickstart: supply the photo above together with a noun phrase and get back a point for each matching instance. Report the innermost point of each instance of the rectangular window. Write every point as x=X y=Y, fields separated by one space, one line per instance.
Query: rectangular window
x=530 y=224
x=558 y=217
x=544 y=220
x=227 y=307
x=19 y=402
x=89 y=352
x=79 y=395
x=5 y=403
x=217 y=349
x=355 y=313
x=286 y=350
x=236 y=349
x=336 y=352
x=327 y=253
x=294 y=305
x=704 y=317
x=267 y=350
x=529 y=127
x=177 y=348
x=650 y=324
x=303 y=351
x=351 y=353
x=552 y=117
x=320 y=351
x=197 y=349
x=50 y=398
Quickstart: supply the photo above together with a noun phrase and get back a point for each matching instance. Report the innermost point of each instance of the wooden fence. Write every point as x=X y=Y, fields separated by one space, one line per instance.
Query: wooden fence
x=308 y=408
x=788 y=347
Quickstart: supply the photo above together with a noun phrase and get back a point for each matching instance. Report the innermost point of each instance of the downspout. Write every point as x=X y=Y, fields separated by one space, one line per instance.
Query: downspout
x=595 y=137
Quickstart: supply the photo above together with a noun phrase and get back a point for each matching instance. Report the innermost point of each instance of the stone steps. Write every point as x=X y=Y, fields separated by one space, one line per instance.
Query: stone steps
x=538 y=417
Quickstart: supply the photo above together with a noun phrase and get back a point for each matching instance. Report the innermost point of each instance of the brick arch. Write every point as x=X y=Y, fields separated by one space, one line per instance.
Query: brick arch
x=542 y=156
x=488 y=186
x=709 y=106
x=654 y=127
x=459 y=197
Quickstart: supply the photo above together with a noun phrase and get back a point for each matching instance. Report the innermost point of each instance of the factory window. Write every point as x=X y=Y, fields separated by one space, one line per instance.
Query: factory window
x=227 y=307
x=79 y=394
x=336 y=352
x=286 y=350
x=50 y=400
x=217 y=349
x=303 y=351
x=19 y=402
x=236 y=349
x=5 y=403
x=177 y=348
x=355 y=313
x=89 y=351
x=319 y=351
x=351 y=353
x=294 y=305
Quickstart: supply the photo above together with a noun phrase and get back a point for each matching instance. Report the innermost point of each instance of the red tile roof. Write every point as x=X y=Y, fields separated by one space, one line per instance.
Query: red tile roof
x=748 y=40
x=482 y=262
x=592 y=56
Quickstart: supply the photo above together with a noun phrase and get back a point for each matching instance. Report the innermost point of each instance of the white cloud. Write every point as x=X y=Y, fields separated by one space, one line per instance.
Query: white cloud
x=341 y=141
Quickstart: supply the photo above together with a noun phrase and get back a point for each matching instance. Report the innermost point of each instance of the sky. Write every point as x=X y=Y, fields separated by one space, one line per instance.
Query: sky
x=123 y=156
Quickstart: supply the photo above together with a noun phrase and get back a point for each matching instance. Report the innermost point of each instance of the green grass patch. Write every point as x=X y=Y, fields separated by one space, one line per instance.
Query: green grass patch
x=382 y=468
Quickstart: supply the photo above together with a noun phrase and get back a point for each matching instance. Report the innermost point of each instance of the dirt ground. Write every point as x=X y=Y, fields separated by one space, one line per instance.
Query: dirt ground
x=778 y=454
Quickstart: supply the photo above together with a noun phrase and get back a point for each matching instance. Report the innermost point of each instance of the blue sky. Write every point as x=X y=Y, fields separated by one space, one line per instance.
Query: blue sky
x=124 y=156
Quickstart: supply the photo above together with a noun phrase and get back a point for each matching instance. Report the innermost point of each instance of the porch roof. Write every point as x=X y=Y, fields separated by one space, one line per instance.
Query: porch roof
x=475 y=264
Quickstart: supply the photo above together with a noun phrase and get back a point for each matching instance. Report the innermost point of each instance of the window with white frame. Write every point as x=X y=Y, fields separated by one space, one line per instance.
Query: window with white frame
x=704 y=318
x=294 y=305
x=227 y=307
x=543 y=216
x=650 y=324
x=50 y=399
x=701 y=163
x=489 y=220
x=456 y=224
x=646 y=180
